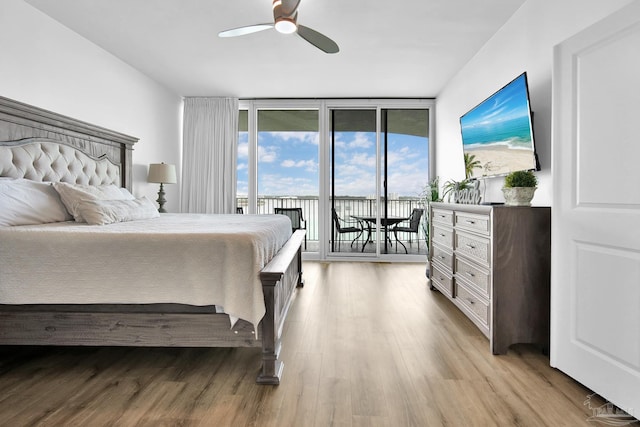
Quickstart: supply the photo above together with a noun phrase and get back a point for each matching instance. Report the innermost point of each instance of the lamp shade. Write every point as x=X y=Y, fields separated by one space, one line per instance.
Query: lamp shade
x=162 y=173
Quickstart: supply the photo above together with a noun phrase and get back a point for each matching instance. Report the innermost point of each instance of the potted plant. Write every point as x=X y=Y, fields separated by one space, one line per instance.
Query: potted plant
x=451 y=186
x=519 y=188
x=430 y=193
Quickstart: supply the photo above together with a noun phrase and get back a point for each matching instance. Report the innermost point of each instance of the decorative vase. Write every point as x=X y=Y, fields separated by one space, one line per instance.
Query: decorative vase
x=518 y=196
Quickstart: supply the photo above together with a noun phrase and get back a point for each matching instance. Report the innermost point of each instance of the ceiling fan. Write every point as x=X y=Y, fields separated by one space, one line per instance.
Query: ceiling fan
x=285 y=17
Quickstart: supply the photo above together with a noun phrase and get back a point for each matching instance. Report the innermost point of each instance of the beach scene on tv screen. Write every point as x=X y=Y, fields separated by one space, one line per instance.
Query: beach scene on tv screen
x=498 y=132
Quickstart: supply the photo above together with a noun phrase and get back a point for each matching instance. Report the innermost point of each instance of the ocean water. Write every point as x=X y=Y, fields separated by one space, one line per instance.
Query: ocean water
x=514 y=133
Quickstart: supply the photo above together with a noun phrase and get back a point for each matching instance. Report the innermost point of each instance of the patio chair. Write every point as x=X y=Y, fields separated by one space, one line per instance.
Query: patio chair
x=297 y=221
x=413 y=227
x=343 y=227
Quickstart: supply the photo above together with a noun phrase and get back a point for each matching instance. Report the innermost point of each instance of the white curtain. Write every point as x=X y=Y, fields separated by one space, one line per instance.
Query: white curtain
x=210 y=138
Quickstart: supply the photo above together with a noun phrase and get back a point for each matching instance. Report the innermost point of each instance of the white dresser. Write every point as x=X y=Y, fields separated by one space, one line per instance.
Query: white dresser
x=493 y=263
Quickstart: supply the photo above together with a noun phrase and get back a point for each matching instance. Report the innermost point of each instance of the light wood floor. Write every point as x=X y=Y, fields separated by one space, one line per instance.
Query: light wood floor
x=365 y=345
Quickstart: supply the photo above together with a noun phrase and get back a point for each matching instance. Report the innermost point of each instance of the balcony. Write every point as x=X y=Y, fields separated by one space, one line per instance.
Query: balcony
x=346 y=208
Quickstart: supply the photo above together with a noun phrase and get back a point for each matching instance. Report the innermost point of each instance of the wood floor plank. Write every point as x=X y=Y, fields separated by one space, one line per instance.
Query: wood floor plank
x=334 y=403
x=365 y=344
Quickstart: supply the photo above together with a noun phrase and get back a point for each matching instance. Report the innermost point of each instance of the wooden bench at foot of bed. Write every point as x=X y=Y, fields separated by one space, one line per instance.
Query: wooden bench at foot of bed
x=121 y=325
x=279 y=281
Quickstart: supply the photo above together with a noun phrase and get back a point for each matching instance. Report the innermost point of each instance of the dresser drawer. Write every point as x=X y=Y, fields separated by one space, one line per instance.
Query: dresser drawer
x=473 y=303
x=475 y=247
x=442 y=216
x=473 y=222
x=442 y=236
x=477 y=277
x=441 y=280
x=442 y=256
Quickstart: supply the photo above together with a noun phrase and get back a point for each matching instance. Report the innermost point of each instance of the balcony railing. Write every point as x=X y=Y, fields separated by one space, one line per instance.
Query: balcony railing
x=346 y=207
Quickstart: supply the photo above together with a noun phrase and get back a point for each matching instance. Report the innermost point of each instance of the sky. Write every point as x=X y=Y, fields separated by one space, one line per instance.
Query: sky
x=288 y=164
x=508 y=103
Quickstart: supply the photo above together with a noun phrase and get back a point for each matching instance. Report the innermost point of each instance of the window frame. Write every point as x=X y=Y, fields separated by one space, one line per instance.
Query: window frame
x=324 y=106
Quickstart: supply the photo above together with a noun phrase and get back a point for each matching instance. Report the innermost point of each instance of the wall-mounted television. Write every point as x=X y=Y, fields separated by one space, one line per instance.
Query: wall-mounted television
x=499 y=131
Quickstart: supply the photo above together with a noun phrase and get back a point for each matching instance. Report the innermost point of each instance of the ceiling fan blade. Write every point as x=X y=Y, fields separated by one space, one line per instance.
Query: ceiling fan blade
x=320 y=41
x=289 y=7
x=241 y=31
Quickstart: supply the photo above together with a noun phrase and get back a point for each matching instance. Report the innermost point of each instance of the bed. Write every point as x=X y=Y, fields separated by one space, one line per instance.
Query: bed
x=209 y=280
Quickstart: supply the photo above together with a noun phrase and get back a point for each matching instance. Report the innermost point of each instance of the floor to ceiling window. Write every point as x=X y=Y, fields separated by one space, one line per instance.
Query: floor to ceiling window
x=379 y=166
x=284 y=150
x=355 y=168
x=287 y=169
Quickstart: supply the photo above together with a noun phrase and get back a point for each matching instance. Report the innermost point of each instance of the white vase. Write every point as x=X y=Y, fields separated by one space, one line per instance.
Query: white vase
x=518 y=196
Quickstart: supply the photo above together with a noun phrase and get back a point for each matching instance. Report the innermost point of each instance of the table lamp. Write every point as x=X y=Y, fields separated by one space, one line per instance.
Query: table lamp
x=163 y=174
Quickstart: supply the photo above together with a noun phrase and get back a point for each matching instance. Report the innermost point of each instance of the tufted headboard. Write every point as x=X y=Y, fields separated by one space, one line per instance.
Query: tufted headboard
x=40 y=145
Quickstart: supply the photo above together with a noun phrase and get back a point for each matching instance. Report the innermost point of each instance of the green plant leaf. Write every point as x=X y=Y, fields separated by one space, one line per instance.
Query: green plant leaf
x=520 y=179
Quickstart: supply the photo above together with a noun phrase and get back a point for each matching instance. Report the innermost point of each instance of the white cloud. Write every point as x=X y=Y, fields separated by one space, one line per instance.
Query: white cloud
x=363 y=184
x=338 y=143
x=402 y=156
x=273 y=184
x=363 y=159
x=362 y=140
x=309 y=165
x=297 y=137
x=408 y=183
x=243 y=150
x=267 y=154
x=288 y=164
x=349 y=170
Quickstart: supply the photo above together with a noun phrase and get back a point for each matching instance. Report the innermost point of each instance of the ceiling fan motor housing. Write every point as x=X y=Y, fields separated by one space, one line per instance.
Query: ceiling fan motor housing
x=285 y=20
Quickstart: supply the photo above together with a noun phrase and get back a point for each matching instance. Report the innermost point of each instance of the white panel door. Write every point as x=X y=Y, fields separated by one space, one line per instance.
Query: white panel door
x=595 y=320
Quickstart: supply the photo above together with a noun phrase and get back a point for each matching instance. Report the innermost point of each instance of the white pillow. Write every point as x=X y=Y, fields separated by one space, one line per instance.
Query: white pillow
x=26 y=202
x=72 y=194
x=101 y=212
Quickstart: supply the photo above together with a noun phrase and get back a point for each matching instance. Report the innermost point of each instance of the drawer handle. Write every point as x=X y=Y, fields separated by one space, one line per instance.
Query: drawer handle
x=443 y=216
x=441 y=256
x=470 y=274
x=470 y=221
x=471 y=301
x=442 y=235
x=470 y=246
x=441 y=279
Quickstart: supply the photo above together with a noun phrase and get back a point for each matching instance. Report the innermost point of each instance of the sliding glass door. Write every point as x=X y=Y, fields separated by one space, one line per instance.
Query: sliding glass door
x=355 y=168
x=353 y=177
x=379 y=166
x=405 y=172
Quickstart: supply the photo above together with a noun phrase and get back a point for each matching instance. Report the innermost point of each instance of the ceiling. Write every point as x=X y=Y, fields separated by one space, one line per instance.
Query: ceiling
x=396 y=48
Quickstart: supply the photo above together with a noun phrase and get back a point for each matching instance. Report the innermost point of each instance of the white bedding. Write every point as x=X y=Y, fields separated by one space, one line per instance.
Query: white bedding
x=177 y=258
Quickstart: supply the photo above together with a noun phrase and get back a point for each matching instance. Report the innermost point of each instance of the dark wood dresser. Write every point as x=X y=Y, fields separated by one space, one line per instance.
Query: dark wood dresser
x=494 y=264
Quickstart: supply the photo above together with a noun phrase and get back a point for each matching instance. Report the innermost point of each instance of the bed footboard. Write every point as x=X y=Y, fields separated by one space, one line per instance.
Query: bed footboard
x=279 y=281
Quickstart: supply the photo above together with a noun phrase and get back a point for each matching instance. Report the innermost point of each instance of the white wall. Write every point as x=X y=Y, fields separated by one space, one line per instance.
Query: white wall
x=524 y=43
x=45 y=64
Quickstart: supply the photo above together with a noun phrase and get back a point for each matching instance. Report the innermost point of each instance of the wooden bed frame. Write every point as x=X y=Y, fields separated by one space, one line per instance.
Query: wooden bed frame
x=133 y=325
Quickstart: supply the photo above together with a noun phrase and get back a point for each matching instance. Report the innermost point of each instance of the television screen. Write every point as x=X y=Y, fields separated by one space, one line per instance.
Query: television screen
x=499 y=132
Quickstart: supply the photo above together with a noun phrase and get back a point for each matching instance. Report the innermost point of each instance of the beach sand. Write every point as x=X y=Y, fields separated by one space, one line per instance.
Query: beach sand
x=501 y=159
